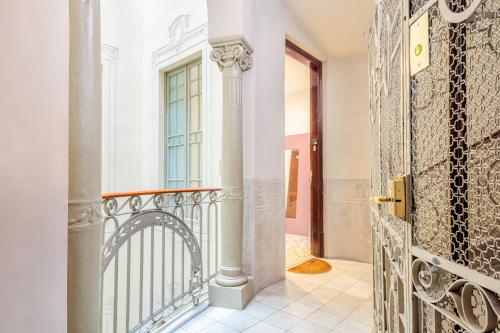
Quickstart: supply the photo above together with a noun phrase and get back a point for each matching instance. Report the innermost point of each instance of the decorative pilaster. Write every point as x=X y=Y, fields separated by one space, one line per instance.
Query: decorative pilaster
x=232 y=53
x=84 y=209
x=232 y=288
x=233 y=57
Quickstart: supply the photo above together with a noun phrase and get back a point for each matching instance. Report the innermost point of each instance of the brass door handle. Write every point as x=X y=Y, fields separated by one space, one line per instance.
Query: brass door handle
x=396 y=198
x=380 y=200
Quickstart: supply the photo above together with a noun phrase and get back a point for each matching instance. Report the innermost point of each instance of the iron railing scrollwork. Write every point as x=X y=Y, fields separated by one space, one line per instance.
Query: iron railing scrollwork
x=160 y=250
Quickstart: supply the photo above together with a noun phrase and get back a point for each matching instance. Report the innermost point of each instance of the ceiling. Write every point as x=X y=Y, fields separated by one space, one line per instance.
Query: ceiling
x=340 y=27
x=297 y=75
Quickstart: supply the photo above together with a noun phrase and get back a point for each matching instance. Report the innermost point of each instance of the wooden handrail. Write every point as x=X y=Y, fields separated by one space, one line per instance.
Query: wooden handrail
x=152 y=192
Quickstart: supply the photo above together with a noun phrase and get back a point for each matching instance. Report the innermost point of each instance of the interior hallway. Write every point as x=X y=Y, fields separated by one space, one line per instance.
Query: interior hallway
x=339 y=301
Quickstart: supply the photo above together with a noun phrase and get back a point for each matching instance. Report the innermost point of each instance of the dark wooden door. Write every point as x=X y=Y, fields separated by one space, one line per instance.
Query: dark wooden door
x=316 y=146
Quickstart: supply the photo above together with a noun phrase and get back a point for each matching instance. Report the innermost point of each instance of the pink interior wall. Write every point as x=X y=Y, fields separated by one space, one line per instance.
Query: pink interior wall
x=301 y=224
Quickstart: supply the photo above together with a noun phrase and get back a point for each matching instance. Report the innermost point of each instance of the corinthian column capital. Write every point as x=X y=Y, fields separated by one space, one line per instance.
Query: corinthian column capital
x=232 y=51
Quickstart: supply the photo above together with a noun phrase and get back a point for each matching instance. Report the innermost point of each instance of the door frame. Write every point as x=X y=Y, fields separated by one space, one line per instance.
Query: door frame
x=316 y=150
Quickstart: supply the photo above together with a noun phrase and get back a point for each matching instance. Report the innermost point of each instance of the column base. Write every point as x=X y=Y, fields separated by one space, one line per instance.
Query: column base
x=230 y=297
x=229 y=281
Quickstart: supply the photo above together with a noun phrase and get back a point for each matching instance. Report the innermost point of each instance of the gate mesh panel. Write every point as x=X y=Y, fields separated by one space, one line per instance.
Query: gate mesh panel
x=483 y=138
x=387 y=154
x=416 y=5
x=455 y=119
x=391 y=161
x=455 y=160
x=430 y=144
x=374 y=117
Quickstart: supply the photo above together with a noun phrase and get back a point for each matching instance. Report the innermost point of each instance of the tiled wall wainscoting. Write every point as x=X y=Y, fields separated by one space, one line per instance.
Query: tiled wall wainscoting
x=347 y=219
x=264 y=231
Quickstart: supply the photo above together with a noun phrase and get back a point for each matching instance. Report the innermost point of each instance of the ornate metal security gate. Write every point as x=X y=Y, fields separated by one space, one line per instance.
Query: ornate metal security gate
x=437 y=266
x=390 y=233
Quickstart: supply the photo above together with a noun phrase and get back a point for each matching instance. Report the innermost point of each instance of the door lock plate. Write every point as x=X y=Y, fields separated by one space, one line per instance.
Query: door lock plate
x=397 y=190
x=396 y=197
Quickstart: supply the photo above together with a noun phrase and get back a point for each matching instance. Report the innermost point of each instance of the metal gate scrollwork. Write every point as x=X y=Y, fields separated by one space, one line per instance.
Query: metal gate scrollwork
x=438 y=272
x=387 y=155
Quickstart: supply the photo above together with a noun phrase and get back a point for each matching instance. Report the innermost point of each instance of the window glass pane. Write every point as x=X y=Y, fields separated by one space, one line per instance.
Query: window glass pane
x=172 y=119
x=181 y=117
x=181 y=163
x=184 y=121
x=172 y=81
x=194 y=161
x=193 y=72
x=172 y=163
x=180 y=78
x=194 y=114
x=180 y=92
x=172 y=96
x=193 y=90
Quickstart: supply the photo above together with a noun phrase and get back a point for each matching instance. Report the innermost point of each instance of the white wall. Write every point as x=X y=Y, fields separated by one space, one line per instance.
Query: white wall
x=240 y=20
x=347 y=119
x=34 y=39
x=263 y=138
x=346 y=159
x=160 y=17
x=121 y=28
x=139 y=30
x=274 y=22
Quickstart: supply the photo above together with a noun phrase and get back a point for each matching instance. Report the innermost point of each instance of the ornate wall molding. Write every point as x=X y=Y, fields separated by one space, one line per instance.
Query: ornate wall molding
x=232 y=193
x=230 y=52
x=180 y=37
x=84 y=214
x=109 y=52
x=179 y=28
x=109 y=59
x=269 y=194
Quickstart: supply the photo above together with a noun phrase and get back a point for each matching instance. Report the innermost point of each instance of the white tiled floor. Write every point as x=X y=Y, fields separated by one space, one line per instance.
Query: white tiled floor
x=339 y=301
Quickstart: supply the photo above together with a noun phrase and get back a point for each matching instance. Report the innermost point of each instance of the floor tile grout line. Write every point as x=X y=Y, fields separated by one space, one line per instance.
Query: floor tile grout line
x=295 y=283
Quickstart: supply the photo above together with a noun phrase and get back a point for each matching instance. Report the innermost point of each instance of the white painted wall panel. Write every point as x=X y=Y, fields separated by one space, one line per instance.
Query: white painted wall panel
x=346 y=160
x=34 y=42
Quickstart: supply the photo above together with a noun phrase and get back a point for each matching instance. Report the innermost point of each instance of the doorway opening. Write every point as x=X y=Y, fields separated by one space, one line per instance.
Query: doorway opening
x=303 y=156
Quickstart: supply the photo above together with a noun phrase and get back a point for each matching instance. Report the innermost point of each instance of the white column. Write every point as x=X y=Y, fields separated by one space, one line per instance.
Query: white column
x=233 y=57
x=84 y=209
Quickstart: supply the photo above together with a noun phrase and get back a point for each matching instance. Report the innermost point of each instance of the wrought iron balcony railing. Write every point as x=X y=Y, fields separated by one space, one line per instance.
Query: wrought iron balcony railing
x=160 y=249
